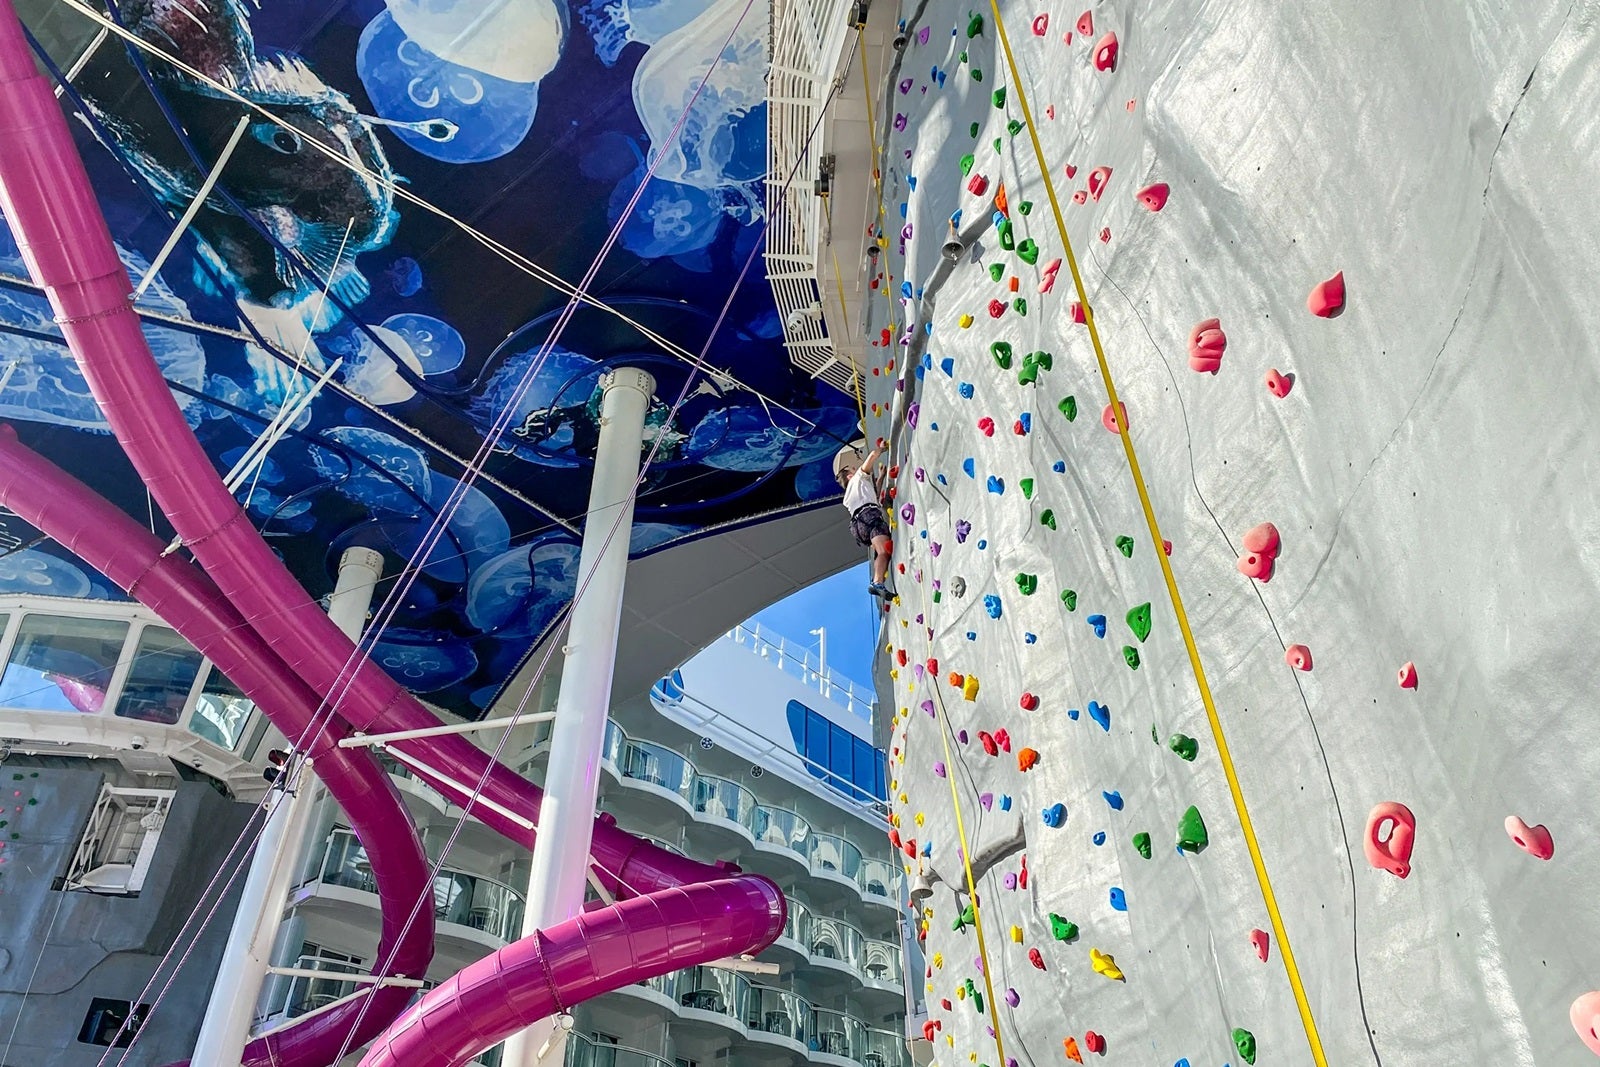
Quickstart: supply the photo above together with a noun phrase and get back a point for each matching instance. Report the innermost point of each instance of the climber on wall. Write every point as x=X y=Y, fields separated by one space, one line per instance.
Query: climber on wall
x=858 y=478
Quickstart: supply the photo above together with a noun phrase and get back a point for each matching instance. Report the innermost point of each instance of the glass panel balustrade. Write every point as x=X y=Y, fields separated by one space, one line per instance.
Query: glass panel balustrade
x=835 y=855
x=585 y=1052
x=657 y=765
x=838 y=1034
x=834 y=939
x=458 y=897
x=778 y=1011
x=880 y=961
x=724 y=799
x=880 y=879
x=885 y=1048
x=221 y=712
x=782 y=827
x=715 y=990
x=797 y=926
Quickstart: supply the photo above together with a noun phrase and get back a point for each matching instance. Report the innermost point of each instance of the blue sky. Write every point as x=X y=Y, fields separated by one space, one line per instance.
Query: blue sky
x=842 y=605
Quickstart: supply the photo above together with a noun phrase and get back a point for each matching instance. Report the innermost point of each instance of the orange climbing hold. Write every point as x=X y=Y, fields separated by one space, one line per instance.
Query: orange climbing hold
x=1327 y=299
x=1001 y=204
x=1105 y=53
x=1027 y=759
x=1070 y=1046
x=957 y=680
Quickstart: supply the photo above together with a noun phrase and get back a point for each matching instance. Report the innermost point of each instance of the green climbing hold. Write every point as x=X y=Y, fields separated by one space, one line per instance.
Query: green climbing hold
x=1139 y=621
x=1028 y=250
x=1069 y=597
x=1025 y=208
x=977 y=1004
x=1245 y=1042
x=1069 y=407
x=1192 y=831
x=1047 y=518
x=1125 y=545
x=1001 y=351
x=33 y=802
x=1029 y=374
x=1008 y=241
x=972 y=131
x=997 y=271
x=936 y=596
x=966 y=164
x=977 y=75
x=1014 y=127
x=1027 y=583
x=962 y=58
x=1042 y=359
x=1185 y=746
x=1020 y=306
x=1141 y=841
x=975 y=26
x=1064 y=930
x=1131 y=654
x=1027 y=488
x=999 y=97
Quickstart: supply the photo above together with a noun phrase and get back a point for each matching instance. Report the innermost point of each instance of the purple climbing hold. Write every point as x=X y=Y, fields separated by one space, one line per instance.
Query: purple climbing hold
x=911 y=414
x=938 y=769
x=927 y=706
x=987 y=800
x=1010 y=880
x=963 y=528
x=908 y=512
x=961 y=736
x=935 y=548
x=1013 y=999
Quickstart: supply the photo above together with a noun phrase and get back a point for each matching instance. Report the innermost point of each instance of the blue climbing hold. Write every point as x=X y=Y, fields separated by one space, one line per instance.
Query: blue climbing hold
x=923 y=534
x=998 y=217
x=1099 y=624
x=927 y=849
x=955 y=219
x=1113 y=798
x=934 y=427
x=972 y=635
x=1119 y=901
x=1100 y=838
x=1100 y=714
x=991 y=604
x=1059 y=466
x=998 y=485
x=1182 y=1063
x=948 y=365
x=941 y=479
x=921 y=372
x=1055 y=815
x=983 y=543
x=970 y=466
x=911 y=182
x=965 y=389
x=905 y=290
x=1026 y=420
x=1005 y=802
x=927 y=327
x=1073 y=713
x=1031 y=639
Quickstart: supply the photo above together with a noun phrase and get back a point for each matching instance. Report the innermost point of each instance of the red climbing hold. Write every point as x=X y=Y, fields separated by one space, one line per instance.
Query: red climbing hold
x=1029 y=702
x=1408 y=676
x=986 y=424
x=1327 y=299
x=1041 y=24
x=1066 y=38
x=1166 y=547
x=1154 y=196
x=1110 y=421
x=988 y=741
x=1097 y=182
x=1262 y=539
x=1534 y=840
x=1207 y=342
x=927 y=1030
x=1391 y=853
x=977 y=185
x=996 y=309
x=900 y=656
x=1094 y=1043
x=933 y=667
x=1072 y=172
x=1105 y=235
x=1086 y=24
x=1105 y=53
x=1278 y=384
x=1033 y=953
x=1081 y=196
x=1585 y=1017
x=1077 y=313
x=1298 y=657
x=1003 y=739
x=1258 y=938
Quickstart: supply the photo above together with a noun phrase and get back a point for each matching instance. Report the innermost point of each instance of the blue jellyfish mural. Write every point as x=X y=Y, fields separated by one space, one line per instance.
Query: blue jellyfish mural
x=423 y=662
x=438 y=346
x=520 y=591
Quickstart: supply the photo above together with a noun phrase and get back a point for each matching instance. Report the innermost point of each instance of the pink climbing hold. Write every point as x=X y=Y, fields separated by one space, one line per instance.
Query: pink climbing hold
x=1066 y=38
x=1097 y=182
x=1263 y=539
x=1081 y=196
x=1585 y=1017
x=1279 y=384
x=1050 y=111
x=1110 y=421
x=1154 y=196
x=1408 y=676
x=1086 y=24
x=1105 y=52
x=1041 y=24
x=1105 y=235
x=1391 y=853
x=1207 y=342
x=1076 y=310
x=1534 y=840
x=1327 y=299
x=1298 y=657
x=1256 y=565
x=1258 y=938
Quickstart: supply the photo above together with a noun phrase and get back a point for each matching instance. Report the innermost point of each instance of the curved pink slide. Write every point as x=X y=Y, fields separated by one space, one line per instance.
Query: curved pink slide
x=45 y=193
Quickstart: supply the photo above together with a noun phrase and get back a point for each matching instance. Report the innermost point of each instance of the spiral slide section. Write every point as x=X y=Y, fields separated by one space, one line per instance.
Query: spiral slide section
x=46 y=195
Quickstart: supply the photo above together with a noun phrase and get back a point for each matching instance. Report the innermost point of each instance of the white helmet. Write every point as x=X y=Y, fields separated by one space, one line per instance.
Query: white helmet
x=850 y=454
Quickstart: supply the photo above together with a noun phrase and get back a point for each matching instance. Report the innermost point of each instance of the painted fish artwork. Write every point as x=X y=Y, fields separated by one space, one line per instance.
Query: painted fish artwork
x=405 y=194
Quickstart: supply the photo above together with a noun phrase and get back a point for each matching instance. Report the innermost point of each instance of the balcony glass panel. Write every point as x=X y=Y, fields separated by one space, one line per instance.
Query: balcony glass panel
x=458 y=897
x=159 y=679
x=645 y=762
x=301 y=995
x=838 y=1034
x=615 y=741
x=885 y=1048
x=781 y=827
x=584 y=1052
x=777 y=1011
x=221 y=712
x=832 y=853
x=880 y=879
x=715 y=990
x=880 y=961
x=62 y=664
x=835 y=939
x=665 y=984
x=797 y=927
x=722 y=799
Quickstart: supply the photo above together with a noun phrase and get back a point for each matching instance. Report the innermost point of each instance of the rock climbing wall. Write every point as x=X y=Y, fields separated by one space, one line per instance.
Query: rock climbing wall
x=1382 y=208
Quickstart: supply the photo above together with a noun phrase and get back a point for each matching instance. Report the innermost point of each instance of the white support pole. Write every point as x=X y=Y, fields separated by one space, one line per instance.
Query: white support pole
x=572 y=772
x=245 y=961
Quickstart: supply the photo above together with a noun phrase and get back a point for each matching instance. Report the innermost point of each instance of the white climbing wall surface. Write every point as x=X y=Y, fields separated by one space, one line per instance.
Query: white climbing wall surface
x=1425 y=444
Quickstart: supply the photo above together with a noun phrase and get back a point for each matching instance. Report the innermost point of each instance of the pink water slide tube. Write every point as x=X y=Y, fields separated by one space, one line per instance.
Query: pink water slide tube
x=247 y=613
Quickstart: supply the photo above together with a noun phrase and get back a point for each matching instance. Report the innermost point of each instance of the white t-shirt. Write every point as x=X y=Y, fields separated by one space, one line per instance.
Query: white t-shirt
x=859 y=491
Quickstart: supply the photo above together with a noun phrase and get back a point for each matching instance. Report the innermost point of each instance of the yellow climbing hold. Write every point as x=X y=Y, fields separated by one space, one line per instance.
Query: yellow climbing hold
x=1016 y=934
x=965 y=321
x=919 y=818
x=969 y=688
x=961 y=992
x=938 y=960
x=1104 y=963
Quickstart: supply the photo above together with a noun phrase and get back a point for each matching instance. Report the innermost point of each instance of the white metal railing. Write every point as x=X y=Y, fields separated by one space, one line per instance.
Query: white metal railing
x=807 y=39
x=796 y=660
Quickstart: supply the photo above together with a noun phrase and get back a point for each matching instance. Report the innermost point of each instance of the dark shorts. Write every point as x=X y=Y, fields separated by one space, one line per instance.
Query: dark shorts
x=868 y=522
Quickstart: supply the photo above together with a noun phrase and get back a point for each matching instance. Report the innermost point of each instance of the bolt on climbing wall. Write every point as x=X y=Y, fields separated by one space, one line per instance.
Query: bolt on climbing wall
x=1332 y=258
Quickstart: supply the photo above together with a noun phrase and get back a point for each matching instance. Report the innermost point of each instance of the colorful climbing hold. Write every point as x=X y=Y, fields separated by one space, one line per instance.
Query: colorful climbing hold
x=1069 y=597
x=1026 y=485
x=1153 y=197
x=1027 y=759
x=1029 y=702
x=1408 y=676
x=1112 y=422
x=1105 y=53
x=1070 y=1047
x=970 y=689
x=1028 y=251
x=1094 y=1043
x=1390 y=853
x=1124 y=545
x=1131 y=656
x=1534 y=840
x=1027 y=583
x=1585 y=1016
x=1041 y=24
x=1327 y=298
x=1097 y=182
x=1036 y=958
x=1098 y=622
x=1192 y=835
x=1245 y=1042
x=1001 y=351
x=1258 y=938
x=1068 y=407
x=1298 y=657
x=1119 y=899
x=1141 y=842
x=1054 y=815
x=1062 y=929
x=1207 y=343
x=1100 y=714
x=974 y=26
x=1139 y=621
x=1279 y=384
x=1047 y=518
x=1106 y=964
x=1085 y=28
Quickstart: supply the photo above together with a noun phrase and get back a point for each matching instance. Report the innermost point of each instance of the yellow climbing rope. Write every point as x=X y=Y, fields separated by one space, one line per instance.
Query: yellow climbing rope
x=1254 y=847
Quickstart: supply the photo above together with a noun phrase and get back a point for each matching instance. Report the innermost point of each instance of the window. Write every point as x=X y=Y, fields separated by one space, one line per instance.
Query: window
x=120 y=841
x=106 y=1017
x=62 y=664
x=221 y=712
x=158 y=682
x=837 y=756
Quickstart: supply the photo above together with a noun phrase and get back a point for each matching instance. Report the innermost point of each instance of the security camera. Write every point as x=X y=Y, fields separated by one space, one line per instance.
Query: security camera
x=137 y=742
x=900 y=42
